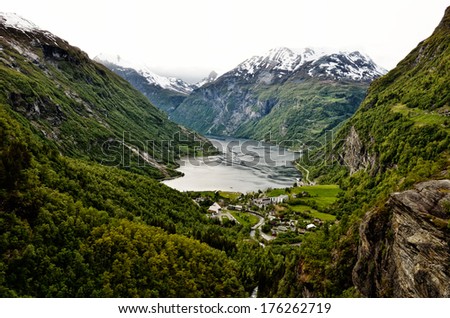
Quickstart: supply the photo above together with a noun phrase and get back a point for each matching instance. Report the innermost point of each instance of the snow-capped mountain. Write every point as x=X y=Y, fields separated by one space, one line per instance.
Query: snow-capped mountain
x=281 y=63
x=12 y=20
x=209 y=79
x=346 y=65
x=170 y=83
x=284 y=93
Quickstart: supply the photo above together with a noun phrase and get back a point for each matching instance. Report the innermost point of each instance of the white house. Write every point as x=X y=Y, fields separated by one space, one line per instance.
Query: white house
x=310 y=226
x=279 y=199
x=215 y=208
x=262 y=202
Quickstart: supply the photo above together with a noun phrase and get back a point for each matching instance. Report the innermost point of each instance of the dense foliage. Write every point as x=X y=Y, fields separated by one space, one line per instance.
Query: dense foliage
x=71 y=228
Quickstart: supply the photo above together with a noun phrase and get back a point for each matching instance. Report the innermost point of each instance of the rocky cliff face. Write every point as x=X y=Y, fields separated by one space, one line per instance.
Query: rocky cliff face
x=355 y=155
x=404 y=245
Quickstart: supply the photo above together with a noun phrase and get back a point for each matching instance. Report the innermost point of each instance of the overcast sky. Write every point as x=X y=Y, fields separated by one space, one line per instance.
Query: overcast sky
x=189 y=38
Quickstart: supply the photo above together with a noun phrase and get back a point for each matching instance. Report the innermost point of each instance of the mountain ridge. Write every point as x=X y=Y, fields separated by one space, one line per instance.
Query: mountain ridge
x=358 y=66
x=171 y=83
x=79 y=105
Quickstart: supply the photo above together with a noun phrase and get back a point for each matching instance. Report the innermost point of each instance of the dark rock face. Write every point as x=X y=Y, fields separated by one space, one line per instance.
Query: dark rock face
x=354 y=155
x=52 y=52
x=404 y=247
x=35 y=108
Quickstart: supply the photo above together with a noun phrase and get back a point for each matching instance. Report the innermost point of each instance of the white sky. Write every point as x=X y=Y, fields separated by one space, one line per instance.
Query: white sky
x=189 y=38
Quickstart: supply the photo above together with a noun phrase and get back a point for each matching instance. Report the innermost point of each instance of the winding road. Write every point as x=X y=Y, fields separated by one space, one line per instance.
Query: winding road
x=258 y=225
x=307 y=173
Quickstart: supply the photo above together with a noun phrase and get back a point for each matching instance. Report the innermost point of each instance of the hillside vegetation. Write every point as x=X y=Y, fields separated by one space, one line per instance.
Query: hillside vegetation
x=85 y=110
x=397 y=138
x=304 y=112
x=79 y=229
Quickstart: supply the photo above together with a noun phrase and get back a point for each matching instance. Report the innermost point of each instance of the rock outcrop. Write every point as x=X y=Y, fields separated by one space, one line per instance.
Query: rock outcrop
x=355 y=155
x=404 y=245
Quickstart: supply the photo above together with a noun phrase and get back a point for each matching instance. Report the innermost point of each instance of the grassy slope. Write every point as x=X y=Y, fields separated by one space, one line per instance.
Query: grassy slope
x=321 y=198
x=79 y=105
x=245 y=219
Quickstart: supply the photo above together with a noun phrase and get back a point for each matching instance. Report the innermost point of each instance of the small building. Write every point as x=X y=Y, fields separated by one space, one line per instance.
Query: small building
x=262 y=202
x=235 y=207
x=310 y=226
x=279 y=199
x=199 y=199
x=215 y=208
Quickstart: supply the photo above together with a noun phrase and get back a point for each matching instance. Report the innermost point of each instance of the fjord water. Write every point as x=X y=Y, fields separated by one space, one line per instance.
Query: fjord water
x=243 y=166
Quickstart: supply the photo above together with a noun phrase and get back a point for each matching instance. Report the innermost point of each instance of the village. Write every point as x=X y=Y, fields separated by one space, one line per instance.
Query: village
x=276 y=215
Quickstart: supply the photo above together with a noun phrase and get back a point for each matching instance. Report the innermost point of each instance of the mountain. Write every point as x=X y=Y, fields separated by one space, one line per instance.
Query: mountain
x=166 y=93
x=392 y=160
x=80 y=106
x=282 y=95
x=73 y=221
x=207 y=80
x=281 y=63
x=170 y=83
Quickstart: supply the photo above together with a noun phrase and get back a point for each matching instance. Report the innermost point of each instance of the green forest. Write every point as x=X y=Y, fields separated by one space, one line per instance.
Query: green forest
x=77 y=229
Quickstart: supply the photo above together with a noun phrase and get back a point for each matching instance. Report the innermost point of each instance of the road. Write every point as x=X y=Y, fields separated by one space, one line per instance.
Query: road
x=307 y=173
x=258 y=226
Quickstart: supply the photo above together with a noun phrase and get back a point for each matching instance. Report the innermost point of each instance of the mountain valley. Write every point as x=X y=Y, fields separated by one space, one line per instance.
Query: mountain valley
x=86 y=143
x=283 y=96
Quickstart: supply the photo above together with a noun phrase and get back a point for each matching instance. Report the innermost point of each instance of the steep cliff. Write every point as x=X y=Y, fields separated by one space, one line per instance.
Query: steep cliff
x=404 y=246
x=354 y=155
x=398 y=138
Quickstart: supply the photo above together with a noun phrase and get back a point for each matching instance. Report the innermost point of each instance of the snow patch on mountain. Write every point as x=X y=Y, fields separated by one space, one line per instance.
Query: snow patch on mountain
x=211 y=78
x=318 y=63
x=170 y=83
x=13 y=20
x=346 y=65
x=282 y=59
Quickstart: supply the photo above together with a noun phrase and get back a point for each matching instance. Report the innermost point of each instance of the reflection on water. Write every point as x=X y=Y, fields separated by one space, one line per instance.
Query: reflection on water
x=243 y=166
